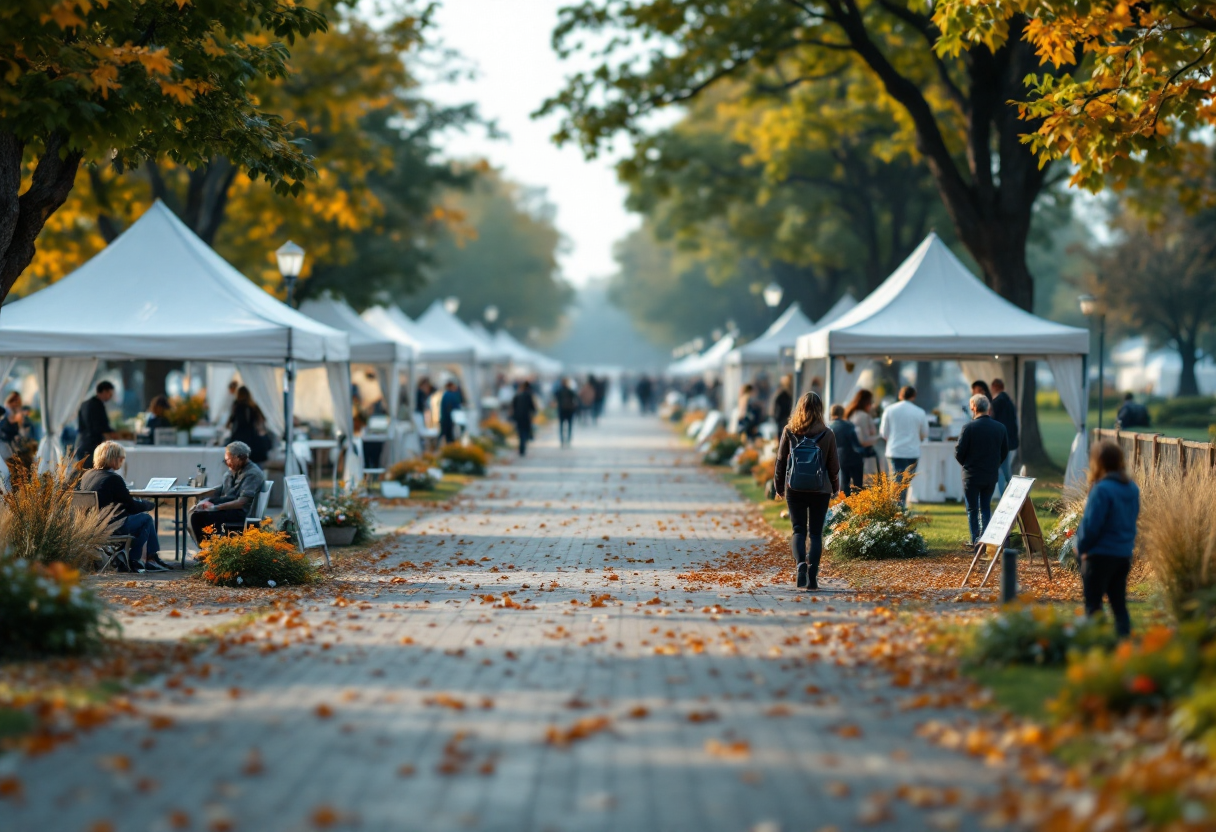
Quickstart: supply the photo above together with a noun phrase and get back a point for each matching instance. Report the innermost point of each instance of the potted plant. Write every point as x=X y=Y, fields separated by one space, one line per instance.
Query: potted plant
x=406 y=476
x=184 y=414
x=345 y=519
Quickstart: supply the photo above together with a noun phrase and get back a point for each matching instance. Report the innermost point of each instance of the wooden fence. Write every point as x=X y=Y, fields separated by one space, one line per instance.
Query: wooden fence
x=1151 y=451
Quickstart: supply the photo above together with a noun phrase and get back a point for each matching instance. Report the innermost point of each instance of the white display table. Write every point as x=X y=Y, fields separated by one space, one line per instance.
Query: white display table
x=147 y=461
x=938 y=476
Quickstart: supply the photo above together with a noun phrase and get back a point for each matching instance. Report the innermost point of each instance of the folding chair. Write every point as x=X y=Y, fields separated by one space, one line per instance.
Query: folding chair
x=254 y=518
x=118 y=544
x=357 y=442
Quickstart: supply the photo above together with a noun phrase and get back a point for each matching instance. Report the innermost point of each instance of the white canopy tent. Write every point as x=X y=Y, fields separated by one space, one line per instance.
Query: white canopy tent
x=160 y=292
x=933 y=308
x=524 y=360
x=765 y=352
x=429 y=349
x=709 y=361
x=441 y=323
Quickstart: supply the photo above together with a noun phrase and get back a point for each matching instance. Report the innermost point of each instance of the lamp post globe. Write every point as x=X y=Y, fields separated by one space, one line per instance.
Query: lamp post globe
x=772 y=295
x=291 y=261
x=490 y=314
x=451 y=304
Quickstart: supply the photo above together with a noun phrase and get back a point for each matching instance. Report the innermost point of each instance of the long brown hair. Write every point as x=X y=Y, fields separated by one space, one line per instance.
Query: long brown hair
x=862 y=399
x=807 y=413
x=1106 y=458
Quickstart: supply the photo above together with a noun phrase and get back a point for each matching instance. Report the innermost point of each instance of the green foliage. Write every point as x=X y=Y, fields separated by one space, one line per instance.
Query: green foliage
x=187 y=412
x=722 y=448
x=1186 y=412
x=413 y=473
x=344 y=511
x=256 y=558
x=455 y=458
x=1036 y=634
x=46 y=610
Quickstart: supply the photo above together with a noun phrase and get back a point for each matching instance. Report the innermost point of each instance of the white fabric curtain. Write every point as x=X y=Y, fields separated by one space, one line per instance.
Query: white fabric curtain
x=987 y=371
x=389 y=378
x=263 y=383
x=844 y=380
x=1069 y=374
x=6 y=367
x=219 y=400
x=344 y=421
x=63 y=384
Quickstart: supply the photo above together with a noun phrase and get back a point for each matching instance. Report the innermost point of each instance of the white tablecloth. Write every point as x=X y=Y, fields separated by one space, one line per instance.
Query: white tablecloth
x=938 y=476
x=147 y=461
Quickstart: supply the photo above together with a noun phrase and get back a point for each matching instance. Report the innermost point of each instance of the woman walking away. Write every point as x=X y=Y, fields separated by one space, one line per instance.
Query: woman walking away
x=806 y=476
x=1107 y=534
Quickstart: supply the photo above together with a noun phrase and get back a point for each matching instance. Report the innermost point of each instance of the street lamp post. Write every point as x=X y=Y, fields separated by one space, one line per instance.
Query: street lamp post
x=291 y=261
x=772 y=298
x=1090 y=309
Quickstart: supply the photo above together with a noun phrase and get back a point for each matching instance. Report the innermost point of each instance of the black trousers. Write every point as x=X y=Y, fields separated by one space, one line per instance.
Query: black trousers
x=851 y=476
x=447 y=430
x=524 y=431
x=1106 y=575
x=807 y=513
x=200 y=520
x=565 y=427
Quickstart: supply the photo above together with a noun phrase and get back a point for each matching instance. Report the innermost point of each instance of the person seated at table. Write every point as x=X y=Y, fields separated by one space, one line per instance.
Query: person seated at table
x=239 y=493
x=12 y=423
x=246 y=424
x=158 y=414
x=111 y=490
x=93 y=424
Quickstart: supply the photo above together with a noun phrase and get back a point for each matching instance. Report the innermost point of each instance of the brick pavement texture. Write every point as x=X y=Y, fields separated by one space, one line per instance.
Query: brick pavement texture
x=423 y=701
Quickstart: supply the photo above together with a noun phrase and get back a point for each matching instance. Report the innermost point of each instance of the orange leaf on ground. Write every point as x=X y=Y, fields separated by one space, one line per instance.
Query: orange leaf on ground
x=736 y=750
x=324 y=711
x=581 y=730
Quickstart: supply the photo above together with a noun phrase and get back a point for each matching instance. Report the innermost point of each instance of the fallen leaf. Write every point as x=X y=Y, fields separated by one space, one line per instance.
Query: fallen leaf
x=736 y=750
x=324 y=711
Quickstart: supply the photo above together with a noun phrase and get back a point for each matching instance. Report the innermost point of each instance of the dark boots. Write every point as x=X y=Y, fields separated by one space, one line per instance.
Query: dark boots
x=798 y=547
x=812 y=570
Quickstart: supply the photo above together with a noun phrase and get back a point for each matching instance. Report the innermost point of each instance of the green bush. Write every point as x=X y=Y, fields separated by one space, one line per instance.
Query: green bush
x=413 y=473
x=463 y=459
x=46 y=610
x=257 y=558
x=1186 y=412
x=1042 y=635
x=722 y=448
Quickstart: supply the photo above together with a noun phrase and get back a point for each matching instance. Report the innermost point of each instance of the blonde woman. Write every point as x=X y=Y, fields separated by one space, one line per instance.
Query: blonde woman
x=806 y=432
x=111 y=490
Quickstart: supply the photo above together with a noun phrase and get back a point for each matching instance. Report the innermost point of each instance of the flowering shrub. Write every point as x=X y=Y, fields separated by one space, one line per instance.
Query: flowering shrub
x=873 y=524
x=722 y=447
x=463 y=459
x=44 y=609
x=414 y=473
x=496 y=429
x=745 y=460
x=764 y=471
x=346 y=511
x=486 y=443
x=259 y=557
x=1036 y=634
x=186 y=413
x=1160 y=667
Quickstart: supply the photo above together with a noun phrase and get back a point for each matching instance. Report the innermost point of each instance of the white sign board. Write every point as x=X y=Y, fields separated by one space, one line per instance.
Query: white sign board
x=305 y=512
x=160 y=483
x=1006 y=514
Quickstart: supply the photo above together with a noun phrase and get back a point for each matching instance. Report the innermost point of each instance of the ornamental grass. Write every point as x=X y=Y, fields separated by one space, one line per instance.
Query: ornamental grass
x=1177 y=538
x=260 y=557
x=41 y=524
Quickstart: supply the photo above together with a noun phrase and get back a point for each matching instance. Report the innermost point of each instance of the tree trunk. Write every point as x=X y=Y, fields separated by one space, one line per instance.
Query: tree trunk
x=925 y=394
x=1188 y=384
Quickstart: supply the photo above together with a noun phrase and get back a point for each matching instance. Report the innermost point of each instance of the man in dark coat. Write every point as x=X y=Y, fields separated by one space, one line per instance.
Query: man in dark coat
x=1005 y=412
x=93 y=424
x=783 y=403
x=523 y=409
x=982 y=446
x=848 y=450
x=1132 y=414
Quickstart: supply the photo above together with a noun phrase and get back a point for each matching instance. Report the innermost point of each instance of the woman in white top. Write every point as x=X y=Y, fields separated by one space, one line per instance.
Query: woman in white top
x=860 y=412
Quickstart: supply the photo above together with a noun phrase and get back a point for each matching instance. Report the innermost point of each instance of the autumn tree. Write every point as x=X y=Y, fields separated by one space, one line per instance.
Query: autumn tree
x=127 y=81
x=955 y=109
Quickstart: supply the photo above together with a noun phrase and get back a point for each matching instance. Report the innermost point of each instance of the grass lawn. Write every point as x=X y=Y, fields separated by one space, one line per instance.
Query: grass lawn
x=1022 y=689
x=1057 y=431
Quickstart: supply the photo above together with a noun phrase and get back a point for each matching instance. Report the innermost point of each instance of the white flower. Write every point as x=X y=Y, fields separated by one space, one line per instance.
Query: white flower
x=271 y=583
x=239 y=579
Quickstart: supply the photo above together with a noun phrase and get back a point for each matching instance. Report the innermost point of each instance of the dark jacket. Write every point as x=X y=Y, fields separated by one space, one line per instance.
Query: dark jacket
x=567 y=401
x=155 y=422
x=1006 y=412
x=112 y=490
x=92 y=425
x=848 y=448
x=1133 y=415
x=982 y=446
x=783 y=405
x=449 y=403
x=1108 y=526
x=825 y=439
x=523 y=408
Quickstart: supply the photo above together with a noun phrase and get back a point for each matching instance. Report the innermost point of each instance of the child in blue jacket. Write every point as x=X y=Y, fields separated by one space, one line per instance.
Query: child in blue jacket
x=1107 y=534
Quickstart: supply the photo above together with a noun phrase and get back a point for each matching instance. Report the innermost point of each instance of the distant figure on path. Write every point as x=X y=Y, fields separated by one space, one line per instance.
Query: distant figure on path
x=93 y=424
x=1132 y=414
x=904 y=426
x=1006 y=412
x=239 y=493
x=645 y=391
x=523 y=409
x=861 y=413
x=983 y=446
x=849 y=450
x=449 y=403
x=783 y=403
x=806 y=459
x=567 y=408
x=586 y=399
x=1107 y=534
x=748 y=413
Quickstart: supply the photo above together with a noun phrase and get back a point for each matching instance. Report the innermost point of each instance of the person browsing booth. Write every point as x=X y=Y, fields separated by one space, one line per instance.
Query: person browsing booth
x=242 y=485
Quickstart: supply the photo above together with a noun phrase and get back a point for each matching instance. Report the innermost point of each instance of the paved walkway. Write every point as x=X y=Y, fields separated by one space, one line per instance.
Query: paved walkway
x=422 y=702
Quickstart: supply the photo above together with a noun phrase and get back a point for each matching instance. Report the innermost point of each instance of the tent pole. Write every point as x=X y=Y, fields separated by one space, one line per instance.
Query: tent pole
x=829 y=385
x=289 y=396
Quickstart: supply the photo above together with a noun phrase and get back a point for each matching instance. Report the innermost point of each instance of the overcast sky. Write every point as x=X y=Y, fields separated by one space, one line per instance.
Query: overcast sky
x=508 y=42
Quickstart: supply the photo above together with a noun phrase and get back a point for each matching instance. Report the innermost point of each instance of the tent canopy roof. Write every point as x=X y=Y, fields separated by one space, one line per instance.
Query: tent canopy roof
x=367 y=344
x=782 y=333
x=440 y=322
x=932 y=306
x=845 y=303
x=508 y=345
x=158 y=291
x=707 y=361
x=392 y=322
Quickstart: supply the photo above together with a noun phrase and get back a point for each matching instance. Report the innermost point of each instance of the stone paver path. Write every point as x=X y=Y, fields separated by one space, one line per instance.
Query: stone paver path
x=422 y=702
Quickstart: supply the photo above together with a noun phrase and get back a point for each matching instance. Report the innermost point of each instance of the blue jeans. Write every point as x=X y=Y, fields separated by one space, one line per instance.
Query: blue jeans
x=979 y=508
x=1004 y=474
x=898 y=465
x=142 y=527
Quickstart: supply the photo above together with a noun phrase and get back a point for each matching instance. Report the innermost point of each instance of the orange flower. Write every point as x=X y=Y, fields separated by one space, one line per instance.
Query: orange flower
x=1142 y=685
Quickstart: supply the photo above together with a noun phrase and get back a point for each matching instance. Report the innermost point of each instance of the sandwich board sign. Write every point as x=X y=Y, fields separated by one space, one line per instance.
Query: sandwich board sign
x=304 y=511
x=1015 y=507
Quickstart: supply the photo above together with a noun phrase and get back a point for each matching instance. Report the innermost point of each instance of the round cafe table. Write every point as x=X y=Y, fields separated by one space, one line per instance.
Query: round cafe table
x=180 y=496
